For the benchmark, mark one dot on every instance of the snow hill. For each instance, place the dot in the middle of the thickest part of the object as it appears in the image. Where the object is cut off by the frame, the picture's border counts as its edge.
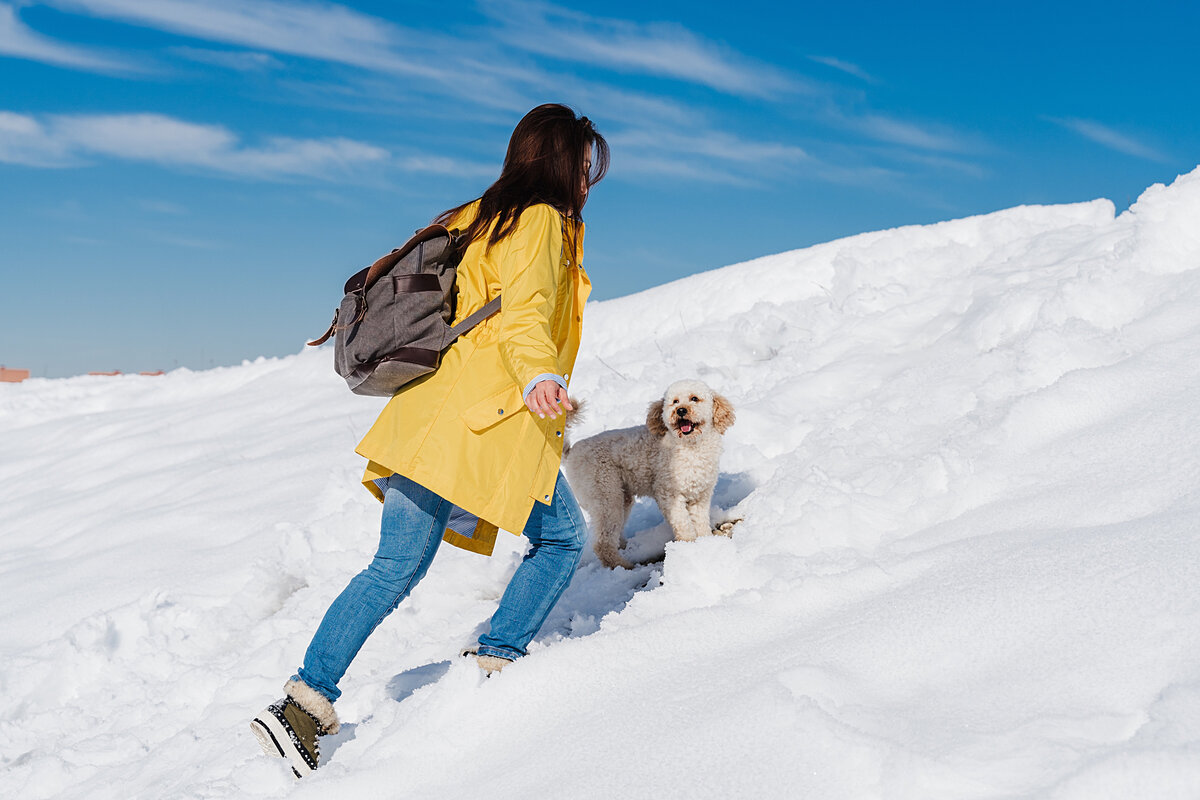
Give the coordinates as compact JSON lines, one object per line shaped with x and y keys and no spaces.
{"x":966,"y":461}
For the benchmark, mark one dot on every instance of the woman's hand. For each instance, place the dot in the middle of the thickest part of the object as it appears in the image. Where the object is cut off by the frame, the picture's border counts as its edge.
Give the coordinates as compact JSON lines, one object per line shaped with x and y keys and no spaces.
{"x":548,"y":398}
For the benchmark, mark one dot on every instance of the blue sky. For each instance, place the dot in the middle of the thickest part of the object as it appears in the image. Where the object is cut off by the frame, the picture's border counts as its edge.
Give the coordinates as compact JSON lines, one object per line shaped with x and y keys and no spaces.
{"x":189,"y":183}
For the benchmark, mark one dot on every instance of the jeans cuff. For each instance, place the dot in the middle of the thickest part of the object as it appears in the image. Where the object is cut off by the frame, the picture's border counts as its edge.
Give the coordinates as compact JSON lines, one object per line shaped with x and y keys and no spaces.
{"x":316,"y":689}
{"x":500,"y":652}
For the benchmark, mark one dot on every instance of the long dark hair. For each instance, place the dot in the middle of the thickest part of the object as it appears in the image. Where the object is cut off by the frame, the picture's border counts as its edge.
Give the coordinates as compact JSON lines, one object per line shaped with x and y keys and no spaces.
{"x":544,"y":164}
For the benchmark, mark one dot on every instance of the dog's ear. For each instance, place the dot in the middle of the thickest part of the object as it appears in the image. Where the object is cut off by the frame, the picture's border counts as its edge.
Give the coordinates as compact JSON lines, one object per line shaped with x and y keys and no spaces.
{"x":723,"y":416}
{"x":654,"y":420}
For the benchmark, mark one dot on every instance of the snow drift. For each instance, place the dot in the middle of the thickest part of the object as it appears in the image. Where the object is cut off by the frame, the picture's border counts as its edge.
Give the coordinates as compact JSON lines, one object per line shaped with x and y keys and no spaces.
{"x":966,"y":467}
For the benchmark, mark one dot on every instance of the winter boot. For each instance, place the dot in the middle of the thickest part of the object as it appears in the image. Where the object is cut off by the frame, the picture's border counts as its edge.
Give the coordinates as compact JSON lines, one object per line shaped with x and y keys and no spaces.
{"x":488,"y":664}
{"x":289,"y":728}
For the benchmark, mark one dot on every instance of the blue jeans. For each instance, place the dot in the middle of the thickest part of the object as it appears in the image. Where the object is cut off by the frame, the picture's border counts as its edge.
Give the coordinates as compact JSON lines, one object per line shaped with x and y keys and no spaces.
{"x":414,"y":519}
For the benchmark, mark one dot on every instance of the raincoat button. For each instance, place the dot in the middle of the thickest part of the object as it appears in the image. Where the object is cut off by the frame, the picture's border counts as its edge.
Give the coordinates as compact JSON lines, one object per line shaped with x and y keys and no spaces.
{"x":558,"y":433}
{"x":499,"y":410}
{"x":547,"y":497}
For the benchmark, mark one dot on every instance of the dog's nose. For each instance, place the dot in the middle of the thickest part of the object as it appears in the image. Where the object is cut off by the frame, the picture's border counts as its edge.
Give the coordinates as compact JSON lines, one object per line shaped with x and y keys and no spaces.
{"x":681,"y":411}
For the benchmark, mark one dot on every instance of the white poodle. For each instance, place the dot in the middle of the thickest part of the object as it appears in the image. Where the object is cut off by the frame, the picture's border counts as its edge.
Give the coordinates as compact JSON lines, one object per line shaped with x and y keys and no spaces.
{"x":672,"y":458}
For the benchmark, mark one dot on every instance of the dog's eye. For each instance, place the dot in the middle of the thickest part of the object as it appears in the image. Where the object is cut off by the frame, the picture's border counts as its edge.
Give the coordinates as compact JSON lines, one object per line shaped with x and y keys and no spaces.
{"x":695,"y":399}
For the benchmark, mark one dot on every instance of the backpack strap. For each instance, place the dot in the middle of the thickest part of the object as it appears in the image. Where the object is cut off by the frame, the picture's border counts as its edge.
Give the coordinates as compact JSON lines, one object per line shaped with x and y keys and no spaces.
{"x":324,"y":337}
{"x":479,"y":316}
{"x":493,"y":305}
{"x":391,"y":259}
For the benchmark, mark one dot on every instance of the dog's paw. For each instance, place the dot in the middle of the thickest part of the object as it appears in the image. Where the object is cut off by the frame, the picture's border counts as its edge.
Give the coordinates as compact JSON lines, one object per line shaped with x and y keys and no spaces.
{"x":613,"y":560}
{"x":726,"y":528}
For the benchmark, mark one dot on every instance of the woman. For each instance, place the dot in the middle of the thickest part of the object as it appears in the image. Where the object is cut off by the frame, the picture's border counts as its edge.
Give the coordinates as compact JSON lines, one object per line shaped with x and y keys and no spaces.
{"x":483,"y":433}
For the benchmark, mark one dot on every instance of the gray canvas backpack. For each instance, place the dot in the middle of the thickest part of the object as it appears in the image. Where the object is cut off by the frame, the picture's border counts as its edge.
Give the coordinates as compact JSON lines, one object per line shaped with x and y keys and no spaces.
{"x":394,"y":322}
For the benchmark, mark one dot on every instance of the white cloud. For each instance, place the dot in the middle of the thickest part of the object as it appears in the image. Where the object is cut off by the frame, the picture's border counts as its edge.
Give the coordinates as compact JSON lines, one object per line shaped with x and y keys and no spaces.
{"x":648,"y":167}
{"x":66,"y":139}
{"x":843,"y":66}
{"x":936,"y":162}
{"x":476,"y":69}
{"x":238,"y":60}
{"x":482,"y":73}
{"x":702,"y":156}
{"x":1103,"y":135}
{"x":666,"y":49}
{"x":432,"y":62}
{"x":19,"y":41}
{"x":330,"y":32}
{"x":23,"y":140}
{"x":321,"y":31}
{"x":888,"y":129}
{"x":317,"y":157}
{"x":492,"y":73}
{"x":714,"y":144}
{"x":143,"y":137}
{"x":453,"y":167}
{"x":601,"y":100}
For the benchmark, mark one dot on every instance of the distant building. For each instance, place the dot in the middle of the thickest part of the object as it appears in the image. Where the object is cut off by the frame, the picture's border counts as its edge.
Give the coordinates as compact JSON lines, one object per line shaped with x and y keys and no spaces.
{"x":13,"y":375}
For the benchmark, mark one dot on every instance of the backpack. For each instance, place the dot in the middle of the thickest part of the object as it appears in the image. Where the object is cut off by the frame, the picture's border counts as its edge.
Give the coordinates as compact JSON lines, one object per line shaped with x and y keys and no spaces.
{"x":394,"y":318}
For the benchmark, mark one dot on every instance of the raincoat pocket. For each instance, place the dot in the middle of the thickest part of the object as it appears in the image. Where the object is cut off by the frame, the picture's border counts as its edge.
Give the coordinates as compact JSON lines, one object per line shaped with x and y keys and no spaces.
{"x":494,"y":408}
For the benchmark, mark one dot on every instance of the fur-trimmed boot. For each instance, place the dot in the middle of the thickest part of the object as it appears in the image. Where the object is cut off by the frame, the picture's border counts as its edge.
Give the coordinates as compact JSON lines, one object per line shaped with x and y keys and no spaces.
{"x":488,"y":664}
{"x":289,"y":728}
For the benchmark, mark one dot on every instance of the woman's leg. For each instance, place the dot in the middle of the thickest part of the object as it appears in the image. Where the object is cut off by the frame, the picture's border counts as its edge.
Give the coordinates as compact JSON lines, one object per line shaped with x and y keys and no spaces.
{"x":413,"y":522}
{"x":557,"y":535}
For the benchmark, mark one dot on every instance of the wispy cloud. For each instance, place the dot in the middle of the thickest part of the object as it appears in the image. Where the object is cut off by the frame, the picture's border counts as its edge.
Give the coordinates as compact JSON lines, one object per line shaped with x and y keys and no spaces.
{"x":19,"y":41}
{"x":645,"y":167}
{"x":938,"y":163}
{"x":615,"y":103}
{"x":322,"y":31}
{"x":704,"y":156}
{"x":23,"y":140}
{"x":237,"y":60}
{"x":438,"y":165}
{"x":475,"y":64}
{"x":1106,"y":136}
{"x":335,"y":33}
{"x":492,"y":73}
{"x":926,"y":137}
{"x":844,"y":66}
{"x":433,"y":61}
{"x":714,"y":144}
{"x":664,"y":49}
{"x":64,"y":140}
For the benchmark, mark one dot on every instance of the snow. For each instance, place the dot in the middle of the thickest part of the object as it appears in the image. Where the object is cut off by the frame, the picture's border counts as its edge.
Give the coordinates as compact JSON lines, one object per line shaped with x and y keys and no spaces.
{"x":965,"y":465}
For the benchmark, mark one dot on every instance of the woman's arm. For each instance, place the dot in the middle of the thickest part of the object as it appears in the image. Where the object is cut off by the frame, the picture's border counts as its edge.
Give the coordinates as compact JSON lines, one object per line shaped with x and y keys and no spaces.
{"x":529,"y":274}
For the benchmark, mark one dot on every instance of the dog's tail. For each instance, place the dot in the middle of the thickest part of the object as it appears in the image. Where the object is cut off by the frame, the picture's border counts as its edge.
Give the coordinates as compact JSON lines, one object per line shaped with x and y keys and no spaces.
{"x":573,"y":416}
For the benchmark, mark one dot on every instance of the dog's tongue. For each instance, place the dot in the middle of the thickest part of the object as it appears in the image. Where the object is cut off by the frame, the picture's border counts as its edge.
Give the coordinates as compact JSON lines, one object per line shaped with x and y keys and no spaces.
{"x":685,"y":427}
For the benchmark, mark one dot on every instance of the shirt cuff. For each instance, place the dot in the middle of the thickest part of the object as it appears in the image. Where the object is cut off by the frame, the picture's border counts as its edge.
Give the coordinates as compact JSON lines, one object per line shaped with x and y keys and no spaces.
{"x":545,"y":376}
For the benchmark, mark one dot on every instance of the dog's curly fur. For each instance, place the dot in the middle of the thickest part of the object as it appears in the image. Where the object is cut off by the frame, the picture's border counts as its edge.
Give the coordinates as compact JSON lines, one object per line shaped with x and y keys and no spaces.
{"x":672,"y":458}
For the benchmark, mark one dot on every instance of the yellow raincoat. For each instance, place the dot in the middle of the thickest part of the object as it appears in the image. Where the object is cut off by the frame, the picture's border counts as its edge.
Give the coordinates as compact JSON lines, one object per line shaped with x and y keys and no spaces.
{"x":464,"y":431}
